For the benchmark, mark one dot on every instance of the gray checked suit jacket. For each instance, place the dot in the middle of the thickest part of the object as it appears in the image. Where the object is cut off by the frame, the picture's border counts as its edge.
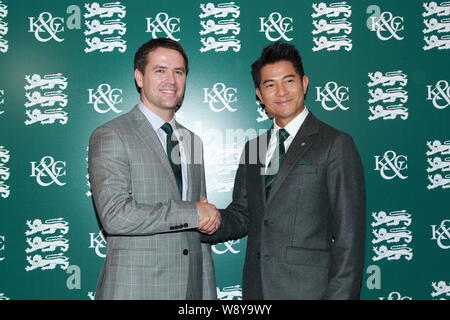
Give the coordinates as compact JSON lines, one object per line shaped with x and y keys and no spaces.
{"x":306,"y":240}
{"x":153,"y":248}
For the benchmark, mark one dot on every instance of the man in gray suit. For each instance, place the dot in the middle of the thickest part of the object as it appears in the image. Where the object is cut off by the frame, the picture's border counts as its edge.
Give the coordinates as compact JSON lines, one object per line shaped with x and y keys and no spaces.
{"x":302,"y":202}
{"x":147,"y":179}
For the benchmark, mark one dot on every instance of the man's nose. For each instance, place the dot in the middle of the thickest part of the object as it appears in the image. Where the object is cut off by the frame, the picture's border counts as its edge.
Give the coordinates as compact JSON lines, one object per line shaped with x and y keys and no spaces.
{"x":170,"y":77}
{"x":281,"y":90}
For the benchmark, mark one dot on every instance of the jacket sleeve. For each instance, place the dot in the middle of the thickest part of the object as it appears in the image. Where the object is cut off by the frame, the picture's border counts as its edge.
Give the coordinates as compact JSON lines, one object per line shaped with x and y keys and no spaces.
{"x":118,"y":211}
{"x":345,"y":183}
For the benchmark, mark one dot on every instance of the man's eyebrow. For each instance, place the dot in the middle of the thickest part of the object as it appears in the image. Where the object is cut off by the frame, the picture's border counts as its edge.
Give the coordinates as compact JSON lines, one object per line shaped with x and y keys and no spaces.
{"x":165,"y":67}
{"x":286,"y":76}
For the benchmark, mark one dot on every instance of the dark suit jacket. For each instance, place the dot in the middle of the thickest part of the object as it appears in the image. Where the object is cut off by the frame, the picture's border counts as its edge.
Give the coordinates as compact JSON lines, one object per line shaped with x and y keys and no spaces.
{"x":307,"y":239}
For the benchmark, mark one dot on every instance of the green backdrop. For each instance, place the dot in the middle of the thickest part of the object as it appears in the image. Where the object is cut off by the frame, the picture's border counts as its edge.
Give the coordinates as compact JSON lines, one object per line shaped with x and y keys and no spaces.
{"x":378,"y":70}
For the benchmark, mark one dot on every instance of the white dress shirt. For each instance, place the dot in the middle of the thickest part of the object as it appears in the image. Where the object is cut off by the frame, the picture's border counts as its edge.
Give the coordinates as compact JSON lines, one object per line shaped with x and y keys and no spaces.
{"x":156,"y":123}
{"x":292,"y":128}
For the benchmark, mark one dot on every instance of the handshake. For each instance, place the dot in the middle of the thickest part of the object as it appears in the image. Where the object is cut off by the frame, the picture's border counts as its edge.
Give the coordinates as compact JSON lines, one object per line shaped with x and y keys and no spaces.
{"x":209,"y":216}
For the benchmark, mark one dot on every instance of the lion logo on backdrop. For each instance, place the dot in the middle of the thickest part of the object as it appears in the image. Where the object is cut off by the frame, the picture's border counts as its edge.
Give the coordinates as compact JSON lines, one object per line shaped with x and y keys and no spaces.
{"x":48,"y":99}
{"x":48,"y":81}
{"x":4,"y":189}
{"x":220,"y":44}
{"x":439,"y":164}
{"x":49,"y":262}
{"x":50,"y":226}
{"x":106,"y":27}
{"x":3,"y":296}
{"x":107,"y":10}
{"x":390,"y":88}
{"x":333,"y":22}
{"x":391,"y":235}
{"x":222,"y":10}
{"x":438,"y":147}
{"x":4,"y":46}
{"x":47,"y":244}
{"x":106,"y":44}
{"x":441,"y":290}
{"x":39,"y":98}
{"x":57,"y":244}
{"x":437,"y":25}
{"x":2,"y":247}
{"x":262,"y":115}
{"x":2,"y":100}
{"x":221,"y":34}
{"x":332,"y":44}
{"x":49,"y":116}
{"x":4,"y":172}
{"x":104,"y":23}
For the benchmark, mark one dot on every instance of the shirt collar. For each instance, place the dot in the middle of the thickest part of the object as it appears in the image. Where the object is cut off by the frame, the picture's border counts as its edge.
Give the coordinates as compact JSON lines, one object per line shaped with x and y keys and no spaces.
{"x":154,"y":119}
{"x":294,"y":125}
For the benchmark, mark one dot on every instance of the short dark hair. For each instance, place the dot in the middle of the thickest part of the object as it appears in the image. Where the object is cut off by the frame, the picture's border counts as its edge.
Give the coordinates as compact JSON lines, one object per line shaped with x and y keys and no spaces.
{"x":277,"y":51}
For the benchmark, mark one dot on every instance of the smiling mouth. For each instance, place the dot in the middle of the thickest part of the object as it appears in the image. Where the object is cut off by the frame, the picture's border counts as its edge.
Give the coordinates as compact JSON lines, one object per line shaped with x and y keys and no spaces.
{"x":283,"y":101}
{"x":168,"y":91}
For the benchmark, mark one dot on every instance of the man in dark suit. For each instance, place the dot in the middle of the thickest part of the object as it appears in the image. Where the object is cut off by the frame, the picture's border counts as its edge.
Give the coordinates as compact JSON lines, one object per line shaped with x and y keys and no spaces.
{"x":302,"y":202}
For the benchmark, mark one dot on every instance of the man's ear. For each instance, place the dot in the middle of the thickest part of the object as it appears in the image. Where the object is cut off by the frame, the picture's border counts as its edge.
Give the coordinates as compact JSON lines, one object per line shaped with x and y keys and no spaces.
{"x":138,"y":76}
{"x":259,"y":95}
{"x":305,"y":82}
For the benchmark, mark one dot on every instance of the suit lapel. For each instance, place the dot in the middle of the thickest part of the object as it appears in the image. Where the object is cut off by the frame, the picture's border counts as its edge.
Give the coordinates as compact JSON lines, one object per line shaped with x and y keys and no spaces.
{"x":145,"y":131}
{"x":302,"y":142}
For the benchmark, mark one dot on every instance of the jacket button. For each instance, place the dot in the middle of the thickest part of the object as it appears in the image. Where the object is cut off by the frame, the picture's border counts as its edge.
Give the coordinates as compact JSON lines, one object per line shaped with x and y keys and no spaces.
{"x":185,"y":252}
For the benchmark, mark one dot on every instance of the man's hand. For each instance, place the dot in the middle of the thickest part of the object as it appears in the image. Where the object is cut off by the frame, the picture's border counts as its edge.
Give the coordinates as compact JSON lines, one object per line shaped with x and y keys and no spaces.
{"x":209,"y":220}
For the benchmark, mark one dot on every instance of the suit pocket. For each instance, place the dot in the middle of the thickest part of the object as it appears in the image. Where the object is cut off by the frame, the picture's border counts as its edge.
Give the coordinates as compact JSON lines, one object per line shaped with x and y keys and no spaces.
{"x":308,"y":257}
{"x":132,"y":257}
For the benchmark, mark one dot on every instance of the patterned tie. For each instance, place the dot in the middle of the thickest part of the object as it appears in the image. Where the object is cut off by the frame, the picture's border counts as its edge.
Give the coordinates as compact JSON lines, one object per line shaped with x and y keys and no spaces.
{"x":283,"y":135}
{"x":170,"y":144}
